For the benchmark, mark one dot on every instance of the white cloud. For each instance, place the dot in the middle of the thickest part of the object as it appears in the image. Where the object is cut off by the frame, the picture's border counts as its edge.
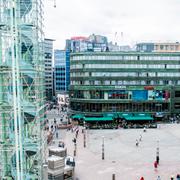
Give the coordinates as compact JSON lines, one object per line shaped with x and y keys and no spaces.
{"x":137,"y":19}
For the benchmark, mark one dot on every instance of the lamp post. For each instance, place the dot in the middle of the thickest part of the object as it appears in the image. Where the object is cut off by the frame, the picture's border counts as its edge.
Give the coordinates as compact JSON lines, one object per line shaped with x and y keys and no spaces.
{"x":102,"y":147}
{"x":75,"y":148}
{"x":113,"y":177}
{"x":157,"y":152}
{"x":84,"y":134}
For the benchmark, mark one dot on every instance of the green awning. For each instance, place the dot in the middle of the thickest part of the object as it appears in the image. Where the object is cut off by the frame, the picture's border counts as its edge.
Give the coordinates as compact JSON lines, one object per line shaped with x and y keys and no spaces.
{"x":98,"y":118}
{"x":113,"y":115}
{"x":138,"y":118}
{"x":78,"y":116}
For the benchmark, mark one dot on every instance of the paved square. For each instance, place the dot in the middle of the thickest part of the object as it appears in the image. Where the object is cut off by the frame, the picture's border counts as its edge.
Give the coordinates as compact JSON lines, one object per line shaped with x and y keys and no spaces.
{"x":122,"y":157}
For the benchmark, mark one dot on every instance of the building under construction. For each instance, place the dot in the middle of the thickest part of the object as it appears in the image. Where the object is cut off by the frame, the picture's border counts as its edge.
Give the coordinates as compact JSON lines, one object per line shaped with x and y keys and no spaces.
{"x":21,"y":89}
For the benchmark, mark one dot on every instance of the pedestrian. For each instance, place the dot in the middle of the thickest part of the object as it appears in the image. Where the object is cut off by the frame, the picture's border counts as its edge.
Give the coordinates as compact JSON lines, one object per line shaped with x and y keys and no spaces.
{"x":158,"y":178}
{"x":137,"y":143}
{"x":140,"y":137}
{"x":144,"y":129}
{"x":51,"y":127}
{"x":157,"y":155}
{"x":172,"y":177}
{"x":155,"y":165}
{"x":57,"y":134}
{"x":178,"y":177}
{"x":157,"y":159}
{"x":142,"y":178}
{"x":74,"y":140}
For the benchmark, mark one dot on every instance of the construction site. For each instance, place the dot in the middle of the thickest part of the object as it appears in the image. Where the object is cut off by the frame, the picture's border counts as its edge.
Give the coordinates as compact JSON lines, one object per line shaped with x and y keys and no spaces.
{"x":21,"y":90}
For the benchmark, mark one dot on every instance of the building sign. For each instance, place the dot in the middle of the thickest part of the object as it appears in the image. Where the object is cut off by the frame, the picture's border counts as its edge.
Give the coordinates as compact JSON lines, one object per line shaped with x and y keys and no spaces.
{"x":118,"y":94}
{"x":120,"y":87}
{"x":149,"y":87}
{"x":158,"y":95}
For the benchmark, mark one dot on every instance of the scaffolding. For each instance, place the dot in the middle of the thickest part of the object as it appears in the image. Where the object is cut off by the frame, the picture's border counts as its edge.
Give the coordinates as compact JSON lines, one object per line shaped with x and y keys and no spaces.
{"x":21,"y":90}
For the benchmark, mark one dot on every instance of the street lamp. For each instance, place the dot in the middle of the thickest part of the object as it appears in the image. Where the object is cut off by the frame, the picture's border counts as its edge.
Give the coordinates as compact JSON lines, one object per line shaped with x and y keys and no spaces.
{"x":84,"y":134}
{"x":75,"y":148}
{"x":102,"y":147}
{"x":157,"y":152}
{"x":113,"y":177}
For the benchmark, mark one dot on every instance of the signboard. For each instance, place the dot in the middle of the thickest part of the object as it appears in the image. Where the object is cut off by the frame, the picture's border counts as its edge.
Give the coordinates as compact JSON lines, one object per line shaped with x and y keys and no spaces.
{"x":120,"y":87}
{"x":149,"y":87}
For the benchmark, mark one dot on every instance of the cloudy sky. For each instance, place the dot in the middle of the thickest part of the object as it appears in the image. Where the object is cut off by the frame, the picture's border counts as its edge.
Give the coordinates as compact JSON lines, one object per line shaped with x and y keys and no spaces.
{"x":124,"y":21}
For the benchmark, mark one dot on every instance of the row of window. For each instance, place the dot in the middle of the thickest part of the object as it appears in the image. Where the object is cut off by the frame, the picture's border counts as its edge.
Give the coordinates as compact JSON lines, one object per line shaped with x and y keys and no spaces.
{"x":125,"y":57}
{"x":60,"y":74}
{"x":113,"y":82}
{"x":125,"y":74}
{"x":60,"y":89}
{"x":48,"y":65}
{"x":136,"y":95}
{"x":120,"y":107}
{"x":60,"y":69}
{"x":60,"y":84}
{"x":126,"y":66}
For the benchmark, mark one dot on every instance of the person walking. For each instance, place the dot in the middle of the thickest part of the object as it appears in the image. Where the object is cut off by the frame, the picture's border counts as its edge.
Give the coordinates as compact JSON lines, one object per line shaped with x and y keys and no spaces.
{"x":155,"y":165}
{"x":178,"y":177}
{"x":144,"y":129}
{"x":142,"y":178}
{"x":172,"y":177}
{"x":137,"y":143}
{"x":140,"y":137}
{"x":158,"y":178}
{"x":57,"y":134}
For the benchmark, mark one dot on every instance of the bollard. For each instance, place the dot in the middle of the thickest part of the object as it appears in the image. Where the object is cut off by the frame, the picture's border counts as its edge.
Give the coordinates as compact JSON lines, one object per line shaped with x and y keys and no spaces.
{"x":74,"y":152}
{"x":113,"y":177}
{"x":103,"y":148}
{"x":157,"y":153}
{"x":84,"y":139}
{"x":75,"y":149}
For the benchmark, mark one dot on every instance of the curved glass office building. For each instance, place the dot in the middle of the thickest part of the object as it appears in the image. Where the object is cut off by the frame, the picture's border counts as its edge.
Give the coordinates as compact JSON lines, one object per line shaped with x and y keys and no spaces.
{"x":133,"y":82}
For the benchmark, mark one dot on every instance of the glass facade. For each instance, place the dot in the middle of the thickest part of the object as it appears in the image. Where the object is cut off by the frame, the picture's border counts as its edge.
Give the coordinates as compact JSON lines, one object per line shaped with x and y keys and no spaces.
{"x":124,"y":82}
{"x":62,"y":70}
{"x":22,"y":106}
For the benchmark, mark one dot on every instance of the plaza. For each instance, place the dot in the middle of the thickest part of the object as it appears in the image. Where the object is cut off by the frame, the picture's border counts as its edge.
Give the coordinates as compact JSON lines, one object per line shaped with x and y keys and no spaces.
{"x":122,"y":157}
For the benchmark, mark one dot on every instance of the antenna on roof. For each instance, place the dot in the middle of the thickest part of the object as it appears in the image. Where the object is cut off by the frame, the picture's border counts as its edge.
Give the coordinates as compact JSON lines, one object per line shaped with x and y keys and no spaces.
{"x":115,"y":37}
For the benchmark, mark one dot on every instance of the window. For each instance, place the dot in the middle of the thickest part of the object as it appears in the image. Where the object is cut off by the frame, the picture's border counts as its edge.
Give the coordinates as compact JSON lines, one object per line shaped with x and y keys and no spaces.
{"x":177,"y":105}
{"x":177,"y":93}
{"x":161,"y":47}
{"x":106,"y":82}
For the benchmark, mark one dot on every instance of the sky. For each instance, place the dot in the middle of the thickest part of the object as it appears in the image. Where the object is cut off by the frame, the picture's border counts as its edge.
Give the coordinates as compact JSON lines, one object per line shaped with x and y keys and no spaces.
{"x":122,"y":21}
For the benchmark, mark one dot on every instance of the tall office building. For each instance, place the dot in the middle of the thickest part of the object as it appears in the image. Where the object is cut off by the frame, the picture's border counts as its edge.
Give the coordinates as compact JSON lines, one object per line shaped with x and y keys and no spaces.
{"x":21,"y":89}
{"x":131,"y":82}
{"x":62,"y":71}
{"x":48,"y":52}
